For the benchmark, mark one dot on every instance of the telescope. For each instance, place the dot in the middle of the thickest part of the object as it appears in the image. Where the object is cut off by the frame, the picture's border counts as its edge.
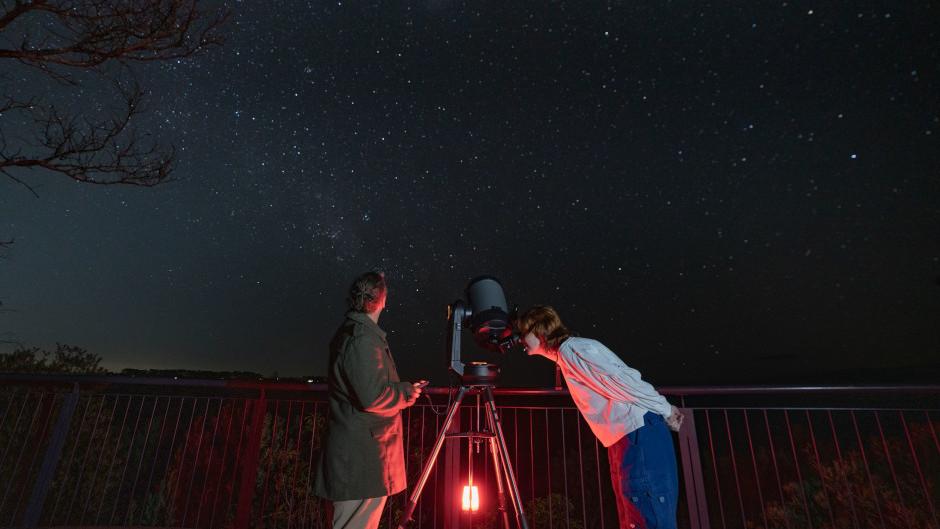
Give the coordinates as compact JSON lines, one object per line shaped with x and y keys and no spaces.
{"x":487,"y":317}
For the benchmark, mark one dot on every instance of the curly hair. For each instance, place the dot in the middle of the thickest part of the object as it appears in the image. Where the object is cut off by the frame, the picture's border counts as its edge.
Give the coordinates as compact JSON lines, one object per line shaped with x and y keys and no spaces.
{"x":544,"y":322}
{"x":366,"y":292}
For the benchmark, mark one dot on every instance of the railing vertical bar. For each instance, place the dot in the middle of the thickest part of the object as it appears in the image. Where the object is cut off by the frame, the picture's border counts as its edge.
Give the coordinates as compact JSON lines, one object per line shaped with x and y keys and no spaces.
{"x":275,"y":461}
{"x":532,"y":454}
{"x":548,"y":457}
{"x":35,"y":445}
{"x":169,"y":460}
{"x":437,"y":482}
{"x":143,"y":454}
{"x":691,"y":458}
{"x":278,"y":471}
{"x":130,"y":451}
{"x":734,"y":468}
{"x":218,"y":488}
{"x":515,"y":438}
{"x":12,"y":478}
{"x":222,"y":466}
{"x":600,"y":490}
{"x":920,"y":474}
{"x":208,"y":473}
{"x":421,"y":456}
{"x":182,"y":464}
{"x":933,"y":432}
{"x":249,"y":471}
{"x":101,"y":449}
{"x":68,"y":466}
{"x":750,"y":444}
{"x":796,"y":465}
{"x":293,"y":481}
{"x":407,"y":434}
{"x":773,"y":455}
{"x":16,"y":465}
{"x":117,"y":448}
{"x":822,"y":479}
{"x":871,"y":482}
{"x":16,"y":427}
{"x":388,"y":502}
{"x":577,"y":423}
{"x":564,"y":466}
{"x":52,"y":456}
{"x":195,"y":465}
{"x":313,"y":437}
{"x":272,"y":447}
{"x":894,"y":476}
{"x":711,"y":449}
{"x":156,"y":447}
{"x":287,"y":440}
{"x":845,"y":480}
{"x":238,"y":453}
{"x":6,"y":410}
{"x":219,"y":414}
{"x":81,"y":471}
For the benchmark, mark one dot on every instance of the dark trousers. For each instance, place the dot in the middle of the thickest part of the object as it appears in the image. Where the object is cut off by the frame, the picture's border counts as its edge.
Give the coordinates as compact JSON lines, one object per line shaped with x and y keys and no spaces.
{"x":643,"y":471}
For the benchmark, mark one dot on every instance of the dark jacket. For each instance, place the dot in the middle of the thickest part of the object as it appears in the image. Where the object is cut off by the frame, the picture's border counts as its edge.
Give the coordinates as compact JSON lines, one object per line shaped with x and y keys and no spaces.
{"x":362,"y":455}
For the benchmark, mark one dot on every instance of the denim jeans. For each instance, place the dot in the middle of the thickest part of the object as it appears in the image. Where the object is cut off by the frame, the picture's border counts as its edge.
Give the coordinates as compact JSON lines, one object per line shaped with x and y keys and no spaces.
{"x":643,"y":471}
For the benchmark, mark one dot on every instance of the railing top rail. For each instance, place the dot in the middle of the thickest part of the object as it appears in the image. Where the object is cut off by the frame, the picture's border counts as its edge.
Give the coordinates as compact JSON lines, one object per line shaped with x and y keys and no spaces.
{"x":275,"y":385}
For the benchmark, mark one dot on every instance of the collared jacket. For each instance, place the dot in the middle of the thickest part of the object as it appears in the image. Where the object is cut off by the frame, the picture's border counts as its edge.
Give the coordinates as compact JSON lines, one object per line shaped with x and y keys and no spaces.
{"x":611,"y":396}
{"x":362,"y":455}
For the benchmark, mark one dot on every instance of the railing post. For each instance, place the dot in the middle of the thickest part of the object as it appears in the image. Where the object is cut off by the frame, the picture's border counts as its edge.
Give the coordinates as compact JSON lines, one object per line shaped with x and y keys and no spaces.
{"x":692,"y":472}
{"x":50,"y":460}
{"x":452,"y":476}
{"x":249,"y":470}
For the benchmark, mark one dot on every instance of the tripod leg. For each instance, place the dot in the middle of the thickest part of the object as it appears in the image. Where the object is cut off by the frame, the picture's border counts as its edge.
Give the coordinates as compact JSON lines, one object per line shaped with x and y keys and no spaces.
{"x":429,"y":464}
{"x":498,"y":472}
{"x":504,"y":458}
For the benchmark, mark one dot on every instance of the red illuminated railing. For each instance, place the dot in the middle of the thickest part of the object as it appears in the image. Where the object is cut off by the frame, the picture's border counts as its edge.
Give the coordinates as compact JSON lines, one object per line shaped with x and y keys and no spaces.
{"x":118,"y":451}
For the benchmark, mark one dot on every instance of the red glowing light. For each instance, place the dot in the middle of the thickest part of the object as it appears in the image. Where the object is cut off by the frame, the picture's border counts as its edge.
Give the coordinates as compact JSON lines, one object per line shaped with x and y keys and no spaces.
{"x":471,"y":498}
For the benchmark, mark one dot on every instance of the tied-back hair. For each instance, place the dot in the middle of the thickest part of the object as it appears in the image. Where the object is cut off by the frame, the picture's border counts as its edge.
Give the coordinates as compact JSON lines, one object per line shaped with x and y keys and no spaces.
{"x":543,"y":321}
{"x":366,"y":292}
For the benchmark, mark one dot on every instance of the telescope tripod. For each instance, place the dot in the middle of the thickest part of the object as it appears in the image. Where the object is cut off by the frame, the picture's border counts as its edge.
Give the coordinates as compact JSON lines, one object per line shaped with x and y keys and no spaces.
{"x":500,"y":456}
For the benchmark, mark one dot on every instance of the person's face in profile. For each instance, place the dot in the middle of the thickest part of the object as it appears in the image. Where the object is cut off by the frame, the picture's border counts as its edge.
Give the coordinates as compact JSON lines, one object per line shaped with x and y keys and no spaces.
{"x":534,"y":345}
{"x":380,"y":306}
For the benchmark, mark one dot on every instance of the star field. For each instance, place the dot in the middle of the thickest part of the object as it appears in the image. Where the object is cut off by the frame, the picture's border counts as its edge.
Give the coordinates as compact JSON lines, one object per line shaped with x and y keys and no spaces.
{"x":720,"y":193}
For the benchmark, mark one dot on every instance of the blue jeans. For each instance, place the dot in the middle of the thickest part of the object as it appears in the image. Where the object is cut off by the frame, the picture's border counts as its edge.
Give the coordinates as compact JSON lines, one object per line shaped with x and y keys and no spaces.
{"x":645,"y":480}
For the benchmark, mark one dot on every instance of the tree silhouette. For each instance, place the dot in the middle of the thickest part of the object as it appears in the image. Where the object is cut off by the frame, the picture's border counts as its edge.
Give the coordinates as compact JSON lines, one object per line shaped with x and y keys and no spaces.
{"x":65,"y":359}
{"x":61,"y":39}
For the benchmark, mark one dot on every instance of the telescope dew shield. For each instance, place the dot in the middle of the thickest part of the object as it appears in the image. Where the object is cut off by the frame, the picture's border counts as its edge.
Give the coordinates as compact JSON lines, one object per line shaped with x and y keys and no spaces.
{"x":489,"y":318}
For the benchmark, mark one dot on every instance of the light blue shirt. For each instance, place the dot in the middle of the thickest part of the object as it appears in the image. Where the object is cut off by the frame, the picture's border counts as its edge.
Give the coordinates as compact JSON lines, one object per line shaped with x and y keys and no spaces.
{"x":611,"y":396}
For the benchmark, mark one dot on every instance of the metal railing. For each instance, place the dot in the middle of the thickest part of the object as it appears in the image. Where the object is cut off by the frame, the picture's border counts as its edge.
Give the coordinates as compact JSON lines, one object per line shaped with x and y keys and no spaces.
{"x":119,"y":451}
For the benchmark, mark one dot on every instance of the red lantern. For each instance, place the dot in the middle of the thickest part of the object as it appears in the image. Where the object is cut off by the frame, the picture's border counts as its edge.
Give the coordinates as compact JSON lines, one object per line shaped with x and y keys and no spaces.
{"x":471,"y":498}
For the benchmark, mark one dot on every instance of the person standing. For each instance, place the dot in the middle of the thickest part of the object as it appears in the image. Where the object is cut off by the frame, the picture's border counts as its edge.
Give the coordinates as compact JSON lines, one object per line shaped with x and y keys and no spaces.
{"x":362,"y":461}
{"x":627,"y":415}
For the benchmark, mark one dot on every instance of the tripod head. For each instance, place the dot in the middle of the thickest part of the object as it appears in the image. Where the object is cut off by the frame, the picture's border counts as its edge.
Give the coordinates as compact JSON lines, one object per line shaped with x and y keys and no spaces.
{"x":489,"y":320}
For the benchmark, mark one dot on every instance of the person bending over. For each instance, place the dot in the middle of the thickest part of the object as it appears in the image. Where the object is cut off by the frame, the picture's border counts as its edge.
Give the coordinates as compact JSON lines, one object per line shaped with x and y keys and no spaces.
{"x":627,"y":415}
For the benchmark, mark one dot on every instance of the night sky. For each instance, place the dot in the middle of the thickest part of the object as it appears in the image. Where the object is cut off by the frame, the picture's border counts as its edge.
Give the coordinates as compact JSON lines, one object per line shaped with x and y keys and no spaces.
{"x":740,"y":192}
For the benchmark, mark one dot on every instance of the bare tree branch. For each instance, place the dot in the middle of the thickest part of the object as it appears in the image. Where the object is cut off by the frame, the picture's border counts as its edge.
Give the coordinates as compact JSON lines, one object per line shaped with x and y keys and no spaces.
{"x":62,"y":37}
{"x":108,"y":151}
{"x":88,"y":33}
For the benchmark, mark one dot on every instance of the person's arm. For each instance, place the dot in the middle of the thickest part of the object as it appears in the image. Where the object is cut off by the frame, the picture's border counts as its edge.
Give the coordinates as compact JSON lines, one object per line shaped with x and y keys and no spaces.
{"x":629,"y":384}
{"x":626,"y":385}
{"x":364,"y":366}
